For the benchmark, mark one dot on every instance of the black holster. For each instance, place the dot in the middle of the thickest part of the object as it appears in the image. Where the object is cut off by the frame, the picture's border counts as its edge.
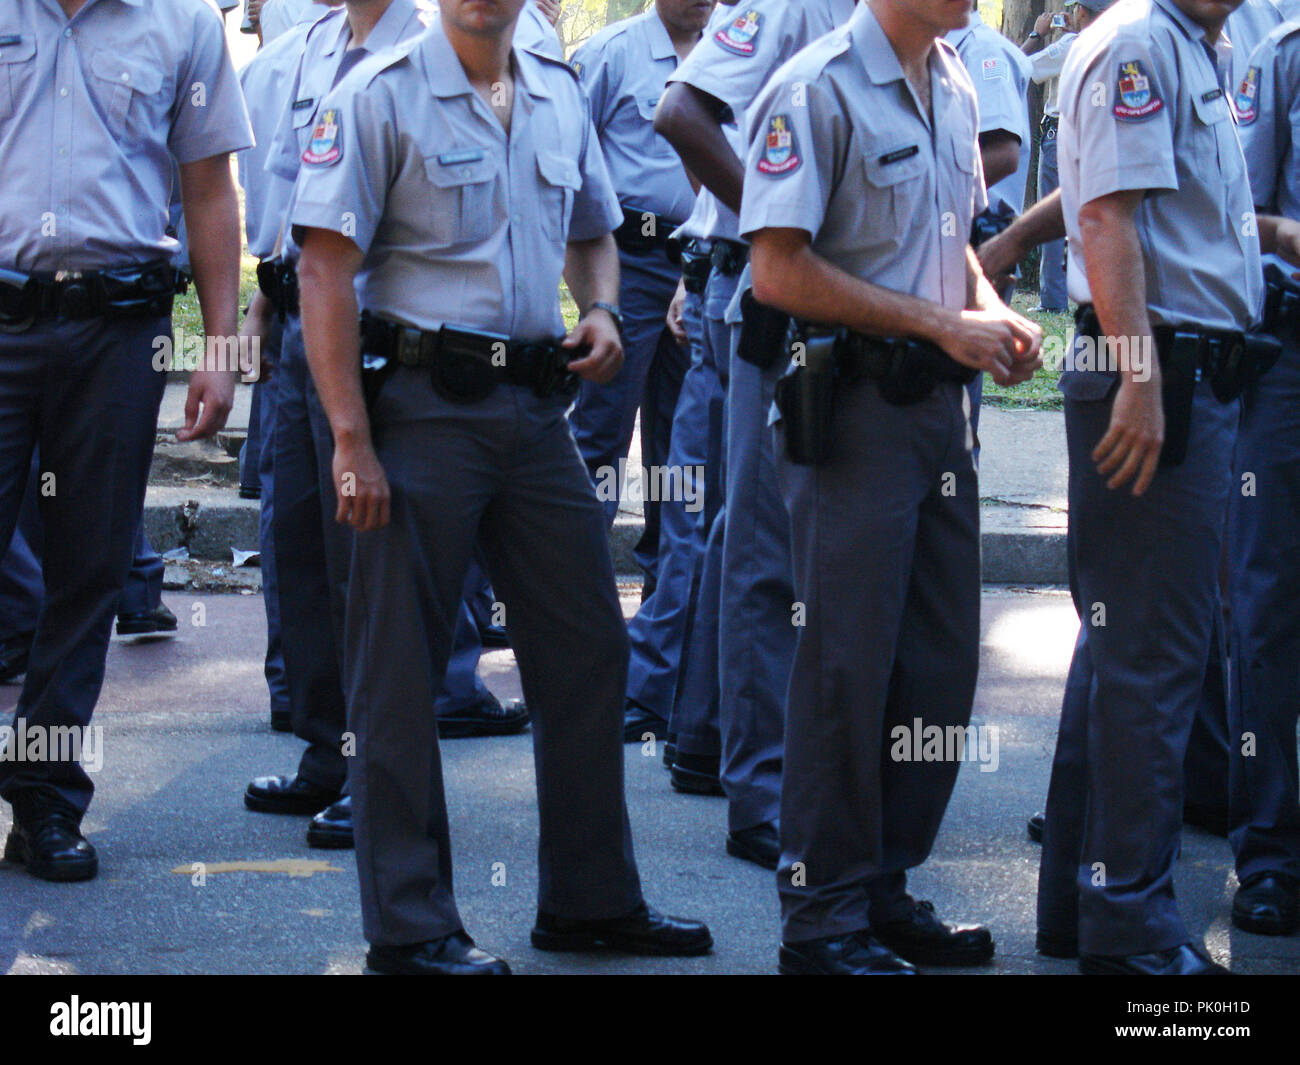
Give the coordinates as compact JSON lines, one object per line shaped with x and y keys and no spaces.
{"x":805,"y":395}
{"x":763,"y":333}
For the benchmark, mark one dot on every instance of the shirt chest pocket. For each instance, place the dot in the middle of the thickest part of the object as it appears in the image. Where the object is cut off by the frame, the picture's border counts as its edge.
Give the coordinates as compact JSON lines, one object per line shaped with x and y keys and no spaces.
{"x":17,"y":68}
{"x":128,"y":95}
{"x":557,"y":186}
{"x":1217,"y":151}
{"x":899,"y":196}
{"x":644,"y":117}
{"x":462,"y":207}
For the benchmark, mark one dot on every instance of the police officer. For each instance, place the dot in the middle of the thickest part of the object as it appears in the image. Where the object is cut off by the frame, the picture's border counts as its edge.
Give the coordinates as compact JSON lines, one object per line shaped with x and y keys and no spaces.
{"x":863,"y":151}
{"x":455,"y":182}
{"x":1175,"y":275}
{"x":756,"y":636}
{"x":623,"y":70}
{"x":99,"y":97}
{"x":1264,"y":810}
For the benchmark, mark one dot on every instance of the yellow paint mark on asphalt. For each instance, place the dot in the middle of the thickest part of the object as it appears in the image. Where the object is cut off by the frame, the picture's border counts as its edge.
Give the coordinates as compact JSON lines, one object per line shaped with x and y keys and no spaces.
{"x":317,"y":913}
{"x":288,"y":866}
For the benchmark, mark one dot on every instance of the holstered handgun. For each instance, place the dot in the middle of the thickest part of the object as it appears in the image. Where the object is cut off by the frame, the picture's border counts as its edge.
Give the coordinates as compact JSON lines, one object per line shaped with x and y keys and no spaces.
{"x":763,"y":333}
{"x":805,"y":395}
{"x":1180,"y":360}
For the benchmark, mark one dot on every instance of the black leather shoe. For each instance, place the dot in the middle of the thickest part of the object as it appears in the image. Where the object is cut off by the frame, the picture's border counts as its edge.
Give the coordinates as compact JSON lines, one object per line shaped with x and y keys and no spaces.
{"x":14,"y":653}
{"x":1056,"y":944}
{"x":1211,"y":819}
{"x":696,"y":774}
{"x":493,"y":637}
{"x":856,"y":954}
{"x":487,"y":718}
{"x":1034,"y":826}
{"x":288,"y":795}
{"x":643,"y":931}
{"x":1186,"y":960}
{"x":670,"y":753}
{"x":281,"y":721}
{"x":46,"y":838}
{"x":1268,"y":905}
{"x":758,"y":845}
{"x":637,"y":721}
{"x":331,"y":829}
{"x":923,"y":939}
{"x":147,"y":622}
{"x":453,"y":955}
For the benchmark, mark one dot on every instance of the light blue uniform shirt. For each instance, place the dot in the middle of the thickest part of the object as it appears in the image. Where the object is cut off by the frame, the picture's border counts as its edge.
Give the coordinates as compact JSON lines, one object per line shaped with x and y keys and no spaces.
{"x":459,"y":223}
{"x":624,"y":69}
{"x":1270,"y":127}
{"x":94,"y":112}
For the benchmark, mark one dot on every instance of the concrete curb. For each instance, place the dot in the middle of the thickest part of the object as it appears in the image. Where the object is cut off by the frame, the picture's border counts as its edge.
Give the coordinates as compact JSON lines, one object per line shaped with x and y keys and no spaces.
{"x":209,"y":522}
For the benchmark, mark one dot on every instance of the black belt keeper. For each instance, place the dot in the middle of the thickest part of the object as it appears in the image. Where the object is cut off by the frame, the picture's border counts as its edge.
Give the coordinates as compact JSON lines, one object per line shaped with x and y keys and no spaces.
{"x":729,"y":257}
{"x":632,"y":236}
{"x":466,"y":366}
{"x":696,"y":264}
{"x":127,"y":292}
{"x":278,"y":280}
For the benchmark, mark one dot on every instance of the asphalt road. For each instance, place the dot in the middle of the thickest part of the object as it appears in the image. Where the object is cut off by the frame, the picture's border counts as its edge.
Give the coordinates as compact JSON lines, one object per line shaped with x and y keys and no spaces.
{"x":184,"y":729}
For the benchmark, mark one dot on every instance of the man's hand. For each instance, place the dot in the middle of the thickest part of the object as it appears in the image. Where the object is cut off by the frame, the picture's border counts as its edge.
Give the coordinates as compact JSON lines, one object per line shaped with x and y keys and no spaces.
{"x":254,"y":12}
{"x":676,"y":326}
{"x":1043,"y":23}
{"x":998,"y":257}
{"x":1131,"y":446}
{"x":551,"y":9}
{"x":364,"y":499}
{"x":207,"y":403}
{"x":597,"y":330}
{"x":998,"y":341}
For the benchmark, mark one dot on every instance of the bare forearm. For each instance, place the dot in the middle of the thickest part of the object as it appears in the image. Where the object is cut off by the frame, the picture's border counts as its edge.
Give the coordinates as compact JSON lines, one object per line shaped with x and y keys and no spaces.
{"x":980,"y":294}
{"x":330,"y":332}
{"x":1116,"y":273}
{"x":688,"y":124}
{"x":591,"y":271}
{"x":211,"y":207}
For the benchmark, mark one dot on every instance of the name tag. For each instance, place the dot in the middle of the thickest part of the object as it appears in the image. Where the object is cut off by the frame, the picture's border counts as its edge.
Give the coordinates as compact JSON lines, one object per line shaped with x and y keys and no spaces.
{"x":1211,"y":96}
{"x":899,"y":154}
{"x":465,"y":155}
{"x":299,"y":105}
{"x":12,"y":39}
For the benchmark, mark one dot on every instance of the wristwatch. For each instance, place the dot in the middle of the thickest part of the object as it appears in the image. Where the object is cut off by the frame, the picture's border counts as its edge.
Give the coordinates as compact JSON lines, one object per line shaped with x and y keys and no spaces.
{"x":1034,"y":35}
{"x":611,"y":309}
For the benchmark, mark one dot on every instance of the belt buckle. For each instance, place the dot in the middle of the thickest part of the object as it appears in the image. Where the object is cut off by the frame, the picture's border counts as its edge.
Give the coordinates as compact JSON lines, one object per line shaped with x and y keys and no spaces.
{"x":408,"y":347}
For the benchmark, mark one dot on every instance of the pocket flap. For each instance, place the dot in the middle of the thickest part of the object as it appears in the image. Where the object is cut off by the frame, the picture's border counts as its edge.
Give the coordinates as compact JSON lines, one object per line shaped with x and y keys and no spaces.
{"x":892,"y":165}
{"x":123,"y":71}
{"x":16,"y":48}
{"x":454,"y":168}
{"x":558,"y":169}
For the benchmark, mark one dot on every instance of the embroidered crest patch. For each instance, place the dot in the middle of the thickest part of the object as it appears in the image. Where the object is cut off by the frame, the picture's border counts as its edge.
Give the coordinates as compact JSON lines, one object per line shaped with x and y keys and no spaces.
{"x":741,"y":37}
{"x":1247,"y":97}
{"x":1135,"y":99}
{"x":326,"y":144}
{"x":780,"y":157}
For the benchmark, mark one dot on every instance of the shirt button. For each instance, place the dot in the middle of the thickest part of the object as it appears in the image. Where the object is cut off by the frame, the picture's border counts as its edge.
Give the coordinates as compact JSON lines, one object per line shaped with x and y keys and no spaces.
{"x":126,"y":76}
{"x":466,"y":172}
{"x":63,"y":91}
{"x":67,"y":32}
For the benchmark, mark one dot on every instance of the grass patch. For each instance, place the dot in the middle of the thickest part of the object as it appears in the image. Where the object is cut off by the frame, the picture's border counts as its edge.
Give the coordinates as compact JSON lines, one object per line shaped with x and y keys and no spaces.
{"x":1038,"y":393}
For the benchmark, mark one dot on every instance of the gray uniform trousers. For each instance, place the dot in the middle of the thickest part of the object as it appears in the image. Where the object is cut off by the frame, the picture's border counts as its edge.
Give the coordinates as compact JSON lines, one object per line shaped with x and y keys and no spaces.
{"x":1114,"y":806}
{"x":695,"y":715}
{"x":887,"y":563}
{"x":757,"y":634}
{"x":504,"y":472}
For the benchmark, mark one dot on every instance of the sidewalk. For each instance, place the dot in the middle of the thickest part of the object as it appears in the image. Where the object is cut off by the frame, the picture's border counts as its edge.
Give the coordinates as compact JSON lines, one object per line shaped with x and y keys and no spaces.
{"x":1022,"y":488}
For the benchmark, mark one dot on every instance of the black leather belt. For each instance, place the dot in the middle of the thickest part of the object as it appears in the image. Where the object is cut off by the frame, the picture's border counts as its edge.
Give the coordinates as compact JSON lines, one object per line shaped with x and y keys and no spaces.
{"x":146,"y":291}
{"x":632,"y":235}
{"x":729,"y":257}
{"x":913,"y":367}
{"x":278,"y":280}
{"x":466,"y":365}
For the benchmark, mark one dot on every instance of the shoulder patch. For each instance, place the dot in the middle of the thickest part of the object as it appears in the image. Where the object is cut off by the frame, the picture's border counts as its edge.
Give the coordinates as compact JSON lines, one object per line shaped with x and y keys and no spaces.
{"x":741,"y":36}
{"x":1245,"y":101}
{"x":326,"y":145}
{"x":1135,"y":99}
{"x":995,"y":70}
{"x":781,"y":156}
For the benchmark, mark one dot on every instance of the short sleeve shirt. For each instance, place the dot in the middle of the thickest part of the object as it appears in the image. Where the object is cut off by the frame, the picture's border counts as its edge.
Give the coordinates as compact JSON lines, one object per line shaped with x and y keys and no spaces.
{"x":1142,"y":109}
{"x":94,"y":114}
{"x":459,"y":224}
{"x":1268,"y":106}
{"x":886,"y":193}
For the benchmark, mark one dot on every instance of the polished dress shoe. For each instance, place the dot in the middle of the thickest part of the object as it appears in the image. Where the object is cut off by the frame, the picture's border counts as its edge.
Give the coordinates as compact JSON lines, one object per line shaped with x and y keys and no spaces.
{"x":288,"y":795}
{"x":758,"y":845}
{"x":14,"y":653}
{"x":146,"y":622}
{"x":1034,"y":826}
{"x":1211,"y":819}
{"x":494,"y":638}
{"x":643,"y":931}
{"x":923,"y":939}
{"x":855,"y":954}
{"x":453,"y":955}
{"x":281,"y":721}
{"x":670,"y":752}
{"x":1056,"y":944}
{"x":46,"y":838}
{"x":1267,"y":904}
{"x":331,"y":829}
{"x":1186,"y":960}
{"x":637,"y":721}
{"x":696,"y":774}
{"x":489,"y":717}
